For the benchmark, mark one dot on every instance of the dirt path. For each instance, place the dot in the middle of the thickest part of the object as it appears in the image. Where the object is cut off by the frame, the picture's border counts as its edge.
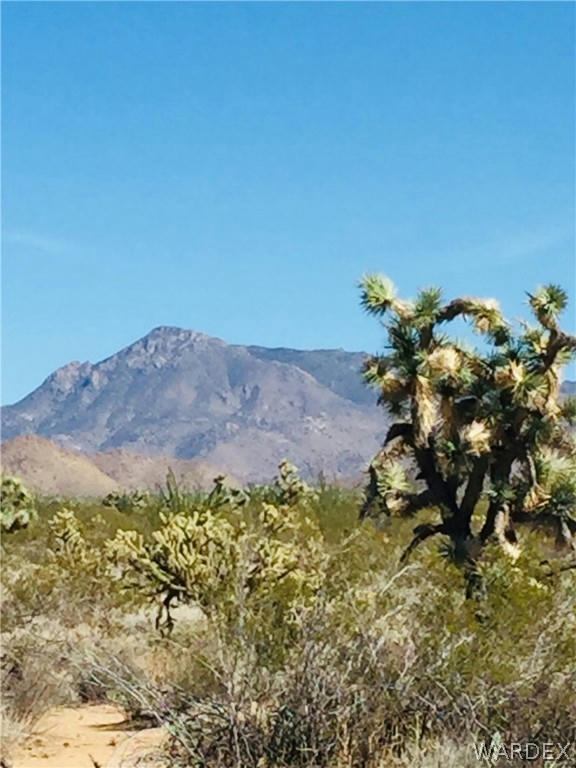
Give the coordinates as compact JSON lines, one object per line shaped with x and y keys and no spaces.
{"x":84,"y":737}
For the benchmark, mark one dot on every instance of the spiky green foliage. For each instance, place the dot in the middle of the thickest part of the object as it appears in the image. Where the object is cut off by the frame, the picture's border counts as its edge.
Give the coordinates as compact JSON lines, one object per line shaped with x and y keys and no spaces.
{"x":485,"y":430}
{"x":568,"y":410}
{"x":548,"y":303}
{"x":17,"y":505}
{"x":227,"y":557}
{"x":427,"y":306}
{"x":378,"y":294}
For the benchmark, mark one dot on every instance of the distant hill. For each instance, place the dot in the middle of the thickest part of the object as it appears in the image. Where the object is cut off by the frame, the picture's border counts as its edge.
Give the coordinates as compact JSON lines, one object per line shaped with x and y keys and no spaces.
{"x":133,"y":472}
{"x":183,"y":394}
{"x":49,"y":470}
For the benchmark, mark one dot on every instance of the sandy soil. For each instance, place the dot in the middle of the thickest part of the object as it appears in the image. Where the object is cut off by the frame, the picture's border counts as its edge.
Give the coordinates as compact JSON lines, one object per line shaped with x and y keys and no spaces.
{"x":86,"y":737}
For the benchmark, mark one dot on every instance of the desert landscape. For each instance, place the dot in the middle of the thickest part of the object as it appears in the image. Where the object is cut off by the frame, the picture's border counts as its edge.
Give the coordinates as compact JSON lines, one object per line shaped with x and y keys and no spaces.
{"x":288,"y":385}
{"x":188,"y":622}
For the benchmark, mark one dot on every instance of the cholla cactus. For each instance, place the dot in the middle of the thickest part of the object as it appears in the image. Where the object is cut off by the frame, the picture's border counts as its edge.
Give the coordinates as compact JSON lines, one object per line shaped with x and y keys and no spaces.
{"x":68,"y":543}
{"x":474,"y":423}
{"x":190,"y":558}
{"x":287,"y":489}
{"x":291,"y":488}
{"x":223,"y":564}
{"x":17,"y":507}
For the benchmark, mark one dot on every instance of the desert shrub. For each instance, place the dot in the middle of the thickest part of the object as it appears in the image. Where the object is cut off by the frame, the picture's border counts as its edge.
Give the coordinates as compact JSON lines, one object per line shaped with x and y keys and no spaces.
{"x":510,"y":666}
{"x":17,"y":506}
{"x":287,"y":489}
{"x":336,"y":512}
{"x":60,"y":568}
{"x":251,"y":566}
{"x":299,"y":638}
{"x":387,"y":664}
{"x":378,"y":674}
{"x":126,"y":502}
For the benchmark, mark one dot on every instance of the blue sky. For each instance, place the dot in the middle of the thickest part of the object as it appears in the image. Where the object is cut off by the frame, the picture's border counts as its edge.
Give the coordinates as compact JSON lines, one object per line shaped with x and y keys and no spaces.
{"x":236,"y":167}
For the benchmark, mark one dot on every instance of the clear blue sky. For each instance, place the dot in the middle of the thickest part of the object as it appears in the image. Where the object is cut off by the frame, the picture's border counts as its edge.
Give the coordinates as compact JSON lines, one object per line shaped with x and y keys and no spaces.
{"x":235,"y":168}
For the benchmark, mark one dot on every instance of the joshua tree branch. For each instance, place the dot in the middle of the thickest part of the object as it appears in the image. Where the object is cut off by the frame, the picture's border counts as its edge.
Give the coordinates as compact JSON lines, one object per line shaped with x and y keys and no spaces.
{"x":557,"y":342}
{"x":454,"y":309}
{"x":490,"y":521}
{"x":400,"y":429}
{"x":499,"y":474}
{"x":440,"y":492}
{"x":474,"y":486}
{"x":422,"y":532}
{"x":417,"y":501}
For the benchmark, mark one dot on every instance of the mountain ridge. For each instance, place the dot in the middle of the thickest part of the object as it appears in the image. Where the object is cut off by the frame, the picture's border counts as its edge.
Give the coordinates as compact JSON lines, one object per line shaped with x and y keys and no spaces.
{"x":183,"y":394}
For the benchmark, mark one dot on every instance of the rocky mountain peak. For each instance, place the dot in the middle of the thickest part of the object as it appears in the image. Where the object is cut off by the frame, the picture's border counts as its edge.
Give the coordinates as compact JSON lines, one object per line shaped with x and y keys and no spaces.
{"x":162,"y":345}
{"x":64,"y":379}
{"x":172,"y":334}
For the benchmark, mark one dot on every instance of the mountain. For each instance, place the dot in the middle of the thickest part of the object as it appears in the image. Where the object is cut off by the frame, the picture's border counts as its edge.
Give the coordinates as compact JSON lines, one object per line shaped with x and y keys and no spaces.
{"x":48,"y":469}
{"x":183,"y":394}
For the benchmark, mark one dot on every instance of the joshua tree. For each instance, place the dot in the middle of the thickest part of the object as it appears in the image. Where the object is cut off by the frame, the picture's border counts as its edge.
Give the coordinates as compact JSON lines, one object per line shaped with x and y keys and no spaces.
{"x":485,"y":432}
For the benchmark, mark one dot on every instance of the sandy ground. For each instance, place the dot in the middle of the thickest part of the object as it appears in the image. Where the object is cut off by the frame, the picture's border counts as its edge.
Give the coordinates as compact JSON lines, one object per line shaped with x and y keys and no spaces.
{"x":86,"y":737}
